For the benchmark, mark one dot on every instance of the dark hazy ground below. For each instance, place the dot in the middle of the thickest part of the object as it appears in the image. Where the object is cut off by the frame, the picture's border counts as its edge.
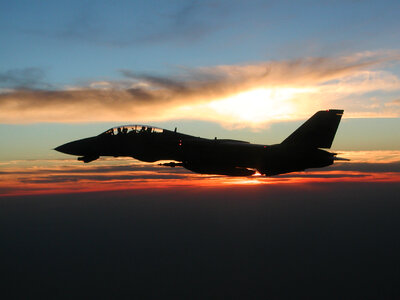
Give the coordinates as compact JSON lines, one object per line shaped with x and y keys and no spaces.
{"x":336,"y":240}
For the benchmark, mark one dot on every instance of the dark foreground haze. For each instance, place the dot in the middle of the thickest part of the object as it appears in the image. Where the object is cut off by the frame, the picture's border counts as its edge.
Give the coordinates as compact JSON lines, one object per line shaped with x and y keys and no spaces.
{"x":316,"y":240}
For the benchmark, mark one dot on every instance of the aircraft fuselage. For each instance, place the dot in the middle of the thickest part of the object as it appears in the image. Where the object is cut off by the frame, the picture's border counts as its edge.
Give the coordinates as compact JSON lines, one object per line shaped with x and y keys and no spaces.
{"x":213,"y":156}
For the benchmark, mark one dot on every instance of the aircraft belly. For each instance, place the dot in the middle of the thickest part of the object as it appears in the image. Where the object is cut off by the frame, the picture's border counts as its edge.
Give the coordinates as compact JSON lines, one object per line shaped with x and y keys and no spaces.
{"x":233,"y":156}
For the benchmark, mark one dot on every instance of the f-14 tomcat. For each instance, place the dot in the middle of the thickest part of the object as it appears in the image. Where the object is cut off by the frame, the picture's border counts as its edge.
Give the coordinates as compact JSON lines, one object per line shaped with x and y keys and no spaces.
{"x":299,"y":151}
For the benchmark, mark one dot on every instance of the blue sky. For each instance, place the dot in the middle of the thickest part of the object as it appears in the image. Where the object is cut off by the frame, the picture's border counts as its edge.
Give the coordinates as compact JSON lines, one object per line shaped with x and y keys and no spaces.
{"x":73,"y":41}
{"x":80,"y":54}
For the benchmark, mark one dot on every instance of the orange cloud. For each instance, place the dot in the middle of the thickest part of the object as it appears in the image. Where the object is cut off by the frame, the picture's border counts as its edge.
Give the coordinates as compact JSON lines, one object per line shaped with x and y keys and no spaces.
{"x":67,"y":176}
{"x":301,"y":86}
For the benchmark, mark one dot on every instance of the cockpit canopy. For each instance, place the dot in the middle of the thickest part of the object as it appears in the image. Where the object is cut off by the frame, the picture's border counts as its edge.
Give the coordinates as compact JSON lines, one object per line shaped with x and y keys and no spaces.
{"x":132,"y":129}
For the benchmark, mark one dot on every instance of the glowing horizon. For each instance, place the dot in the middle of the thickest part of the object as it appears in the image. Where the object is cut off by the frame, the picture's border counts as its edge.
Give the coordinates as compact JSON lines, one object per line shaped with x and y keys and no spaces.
{"x":35,"y":177}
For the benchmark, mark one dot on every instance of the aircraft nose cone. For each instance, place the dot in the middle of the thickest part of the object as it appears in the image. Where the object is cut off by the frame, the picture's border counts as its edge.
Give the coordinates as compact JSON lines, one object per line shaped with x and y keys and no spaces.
{"x":72,"y":148}
{"x":64,"y":148}
{"x":80,"y":147}
{"x":60,"y":148}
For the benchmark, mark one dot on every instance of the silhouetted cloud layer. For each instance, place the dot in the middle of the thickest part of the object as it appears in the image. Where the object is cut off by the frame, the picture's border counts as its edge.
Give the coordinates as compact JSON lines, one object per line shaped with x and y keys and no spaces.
{"x":306,"y":84}
{"x":67,"y":176}
{"x":27,"y":78}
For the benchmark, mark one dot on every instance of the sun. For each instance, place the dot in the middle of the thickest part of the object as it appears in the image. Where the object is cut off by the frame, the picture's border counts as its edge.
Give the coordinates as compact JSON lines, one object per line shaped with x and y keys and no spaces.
{"x":258,"y":105}
{"x":252,"y":108}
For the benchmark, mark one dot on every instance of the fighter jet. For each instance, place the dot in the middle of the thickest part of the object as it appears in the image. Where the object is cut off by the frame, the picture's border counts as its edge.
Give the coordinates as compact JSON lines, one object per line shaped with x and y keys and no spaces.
{"x":300,"y":151}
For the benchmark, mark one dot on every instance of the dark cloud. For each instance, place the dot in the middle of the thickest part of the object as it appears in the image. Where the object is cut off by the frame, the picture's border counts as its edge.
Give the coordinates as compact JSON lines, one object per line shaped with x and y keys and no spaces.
{"x":309,"y":174}
{"x":98,"y":178}
{"x":393,"y":103}
{"x":137,"y":173}
{"x":367,"y":167}
{"x":75,"y":178}
{"x":6,"y":190}
{"x":158,"y":81}
{"x":84,"y":26}
{"x":26,"y":78}
{"x":98,"y":169}
{"x":190,"y":22}
{"x":351,"y":166}
{"x":141,"y":94}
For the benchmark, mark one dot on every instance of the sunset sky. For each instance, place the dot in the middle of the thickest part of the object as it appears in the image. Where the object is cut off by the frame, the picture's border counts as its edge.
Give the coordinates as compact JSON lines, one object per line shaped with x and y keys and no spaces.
{"x":249,"y":70}
{"x":246,"y":70}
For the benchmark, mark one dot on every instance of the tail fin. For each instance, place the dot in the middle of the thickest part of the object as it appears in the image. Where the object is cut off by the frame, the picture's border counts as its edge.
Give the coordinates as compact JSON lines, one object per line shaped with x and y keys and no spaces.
{"x":318,"y":131}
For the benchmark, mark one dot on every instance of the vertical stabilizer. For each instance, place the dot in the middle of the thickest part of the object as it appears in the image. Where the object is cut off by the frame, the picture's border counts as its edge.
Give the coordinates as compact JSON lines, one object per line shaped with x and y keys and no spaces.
{"x":318,"y":131}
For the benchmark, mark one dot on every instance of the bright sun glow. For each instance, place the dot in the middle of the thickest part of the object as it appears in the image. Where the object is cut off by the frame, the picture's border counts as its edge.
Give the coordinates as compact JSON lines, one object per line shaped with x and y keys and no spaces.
{"x":259,"y":105}
{"x":254,"y":107}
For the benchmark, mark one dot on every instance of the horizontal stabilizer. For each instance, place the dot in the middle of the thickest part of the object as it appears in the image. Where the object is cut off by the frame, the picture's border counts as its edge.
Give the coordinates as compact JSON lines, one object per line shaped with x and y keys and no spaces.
{"x":341,"y":158}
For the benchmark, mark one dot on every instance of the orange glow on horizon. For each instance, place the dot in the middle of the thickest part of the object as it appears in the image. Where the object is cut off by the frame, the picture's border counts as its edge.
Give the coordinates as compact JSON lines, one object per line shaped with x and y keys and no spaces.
{"x":67,"y":176}
{"x":16,"y":188}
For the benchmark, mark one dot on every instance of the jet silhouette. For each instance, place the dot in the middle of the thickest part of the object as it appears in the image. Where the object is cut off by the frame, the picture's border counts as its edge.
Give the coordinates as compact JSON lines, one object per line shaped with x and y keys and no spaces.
{"x":300,"y":151}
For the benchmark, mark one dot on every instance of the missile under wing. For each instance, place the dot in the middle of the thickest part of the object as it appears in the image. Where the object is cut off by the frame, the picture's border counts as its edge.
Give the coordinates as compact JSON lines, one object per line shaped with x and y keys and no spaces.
{"x":301,"y":150}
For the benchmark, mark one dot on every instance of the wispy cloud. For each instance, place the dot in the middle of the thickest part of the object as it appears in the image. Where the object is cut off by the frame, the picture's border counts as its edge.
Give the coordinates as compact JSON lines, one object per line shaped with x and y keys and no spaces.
{"x":189,"y":23}
{"x":393,"y":103}
{"x":303,"y":85}
{"x":186,"y":23}
{"x":66,"y":176}
{"x":26,"y":78}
